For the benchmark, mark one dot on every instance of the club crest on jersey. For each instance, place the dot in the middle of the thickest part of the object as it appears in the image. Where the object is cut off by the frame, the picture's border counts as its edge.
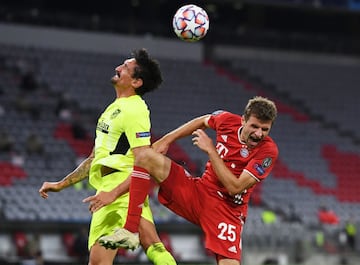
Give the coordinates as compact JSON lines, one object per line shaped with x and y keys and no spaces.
{"x":244,"y":152}
{"x":115,"y":113}
{"x":266,"y":162}
{"x":142,"y":134}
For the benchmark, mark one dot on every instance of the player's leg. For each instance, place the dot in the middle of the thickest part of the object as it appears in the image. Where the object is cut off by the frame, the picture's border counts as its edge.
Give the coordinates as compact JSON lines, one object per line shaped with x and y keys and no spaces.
{"x":155,"y":163}
{"x":159,"y":255}
{"x":221,"y":223}
{"x":101,"y":256}
{"x":106,"y":220}
{"x":154,"y":248}
{"x":225,"y":261}
{"x":147,"y":163}
{"x":149,"y":239}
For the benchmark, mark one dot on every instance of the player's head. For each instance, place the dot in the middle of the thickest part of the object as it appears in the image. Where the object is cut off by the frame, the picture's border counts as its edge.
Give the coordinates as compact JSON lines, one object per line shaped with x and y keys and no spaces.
{"x":261,"y":108}
{"x":148,"y":70}
{"x":258,"y":118}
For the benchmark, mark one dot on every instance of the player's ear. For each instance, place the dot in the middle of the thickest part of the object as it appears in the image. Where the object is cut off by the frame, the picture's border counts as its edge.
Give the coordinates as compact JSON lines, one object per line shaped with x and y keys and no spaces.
{"x":137,"y":82}
{"x":243,"y":119}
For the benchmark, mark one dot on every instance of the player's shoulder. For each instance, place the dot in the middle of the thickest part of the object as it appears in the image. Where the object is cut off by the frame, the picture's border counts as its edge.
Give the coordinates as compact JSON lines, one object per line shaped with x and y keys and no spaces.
{"x":224,"y":114}
{"x":270,"y":144}
{"x":133,"y":104}
{"x":133,"y":100}
{"x":222,"y":118}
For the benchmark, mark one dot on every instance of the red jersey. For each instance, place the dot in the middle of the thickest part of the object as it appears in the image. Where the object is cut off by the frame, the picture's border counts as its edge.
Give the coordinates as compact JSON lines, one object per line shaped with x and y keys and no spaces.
{"x":204,"y":201}
{"x":258,"y":161}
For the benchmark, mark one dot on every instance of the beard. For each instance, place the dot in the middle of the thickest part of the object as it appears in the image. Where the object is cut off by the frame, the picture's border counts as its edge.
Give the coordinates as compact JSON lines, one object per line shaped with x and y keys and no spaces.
{"x":113,"y":80}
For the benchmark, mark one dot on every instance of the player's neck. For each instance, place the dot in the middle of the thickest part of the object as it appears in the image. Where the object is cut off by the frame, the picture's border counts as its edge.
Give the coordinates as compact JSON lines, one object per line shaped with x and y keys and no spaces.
{"x":125,"y":93}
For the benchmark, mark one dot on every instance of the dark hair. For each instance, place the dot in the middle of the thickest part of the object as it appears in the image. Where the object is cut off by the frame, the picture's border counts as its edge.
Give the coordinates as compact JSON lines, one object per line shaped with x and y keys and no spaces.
{"x":148,"y":70}
{"x":262,"y":108}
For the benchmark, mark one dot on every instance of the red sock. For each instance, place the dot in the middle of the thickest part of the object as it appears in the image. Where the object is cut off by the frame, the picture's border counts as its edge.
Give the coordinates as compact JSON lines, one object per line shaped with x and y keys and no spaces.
{"x":139,"y":188}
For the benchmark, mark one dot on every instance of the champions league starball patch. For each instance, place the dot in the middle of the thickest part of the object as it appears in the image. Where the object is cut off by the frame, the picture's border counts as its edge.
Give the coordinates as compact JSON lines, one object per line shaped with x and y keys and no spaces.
{"x":266,"y":162}
{"x":115,"y":113}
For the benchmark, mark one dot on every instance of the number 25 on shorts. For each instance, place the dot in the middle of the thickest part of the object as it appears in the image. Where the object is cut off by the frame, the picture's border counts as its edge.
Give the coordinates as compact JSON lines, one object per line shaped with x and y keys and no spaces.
{"x":227,"y":232}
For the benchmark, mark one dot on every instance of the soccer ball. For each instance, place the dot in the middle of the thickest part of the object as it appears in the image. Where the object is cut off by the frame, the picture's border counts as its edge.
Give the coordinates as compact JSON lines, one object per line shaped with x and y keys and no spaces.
{"x":190,"y":23}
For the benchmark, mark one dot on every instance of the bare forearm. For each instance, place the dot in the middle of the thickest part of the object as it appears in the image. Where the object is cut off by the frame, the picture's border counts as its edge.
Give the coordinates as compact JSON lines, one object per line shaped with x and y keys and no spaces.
{"x":225,"y":176}
{"x":80,"y":173}
{"x":122,"y":188}
{"x":233,"y":184}
{"x":223,"y":173}
{"x":186,"y":129}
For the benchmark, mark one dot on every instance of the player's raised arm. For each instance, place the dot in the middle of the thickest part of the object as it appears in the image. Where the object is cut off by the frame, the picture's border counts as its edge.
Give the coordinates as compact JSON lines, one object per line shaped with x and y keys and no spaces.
{"x":184,"y":130}
{"x":80,"y":173}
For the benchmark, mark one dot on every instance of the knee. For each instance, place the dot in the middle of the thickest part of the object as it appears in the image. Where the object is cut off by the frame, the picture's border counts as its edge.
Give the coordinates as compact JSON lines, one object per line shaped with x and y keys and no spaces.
{"x":142,"y":157}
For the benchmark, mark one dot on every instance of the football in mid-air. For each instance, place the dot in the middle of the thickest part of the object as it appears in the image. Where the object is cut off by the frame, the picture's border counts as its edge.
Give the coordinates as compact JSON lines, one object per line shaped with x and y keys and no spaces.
{"x":191,"y":23}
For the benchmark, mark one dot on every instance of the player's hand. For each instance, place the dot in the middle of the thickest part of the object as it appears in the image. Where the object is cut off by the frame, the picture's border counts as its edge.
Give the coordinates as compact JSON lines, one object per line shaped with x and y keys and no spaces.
{"x":203,"y":141}
{"x":160,"y":146}
{"x":99,"y":200}
{"x":48,"y":186}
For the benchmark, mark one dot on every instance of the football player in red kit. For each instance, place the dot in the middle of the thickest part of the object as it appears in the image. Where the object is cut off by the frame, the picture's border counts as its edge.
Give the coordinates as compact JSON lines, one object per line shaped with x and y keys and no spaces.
{"x":243,"y":155}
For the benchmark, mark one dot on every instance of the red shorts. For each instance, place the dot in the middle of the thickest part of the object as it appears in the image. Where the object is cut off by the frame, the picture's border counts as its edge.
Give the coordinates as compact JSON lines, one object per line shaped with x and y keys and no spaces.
{"x":220,"y":220}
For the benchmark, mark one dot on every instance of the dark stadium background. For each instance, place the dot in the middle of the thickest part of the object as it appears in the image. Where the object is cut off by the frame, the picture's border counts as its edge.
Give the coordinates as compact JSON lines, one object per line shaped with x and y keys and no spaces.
{"x":319,"y":27}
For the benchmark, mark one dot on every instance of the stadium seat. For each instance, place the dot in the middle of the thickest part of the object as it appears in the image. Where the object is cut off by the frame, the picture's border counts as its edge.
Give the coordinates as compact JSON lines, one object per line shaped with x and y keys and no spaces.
{"x":21,"y":241}
{"x":68,"y":239}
